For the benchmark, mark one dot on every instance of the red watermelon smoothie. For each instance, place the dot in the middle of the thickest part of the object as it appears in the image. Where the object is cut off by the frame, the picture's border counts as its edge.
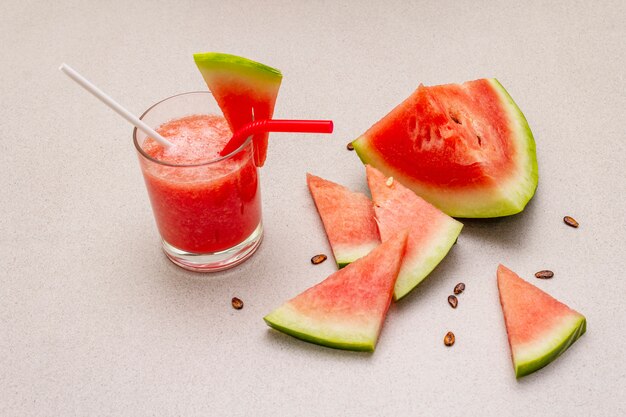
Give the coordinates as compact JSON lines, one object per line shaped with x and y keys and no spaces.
{"x":207,"y":207}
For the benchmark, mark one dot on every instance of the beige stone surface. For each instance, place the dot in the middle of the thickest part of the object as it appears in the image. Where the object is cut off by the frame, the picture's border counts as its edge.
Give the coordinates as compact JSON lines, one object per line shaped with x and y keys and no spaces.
{"x":95,"y":321}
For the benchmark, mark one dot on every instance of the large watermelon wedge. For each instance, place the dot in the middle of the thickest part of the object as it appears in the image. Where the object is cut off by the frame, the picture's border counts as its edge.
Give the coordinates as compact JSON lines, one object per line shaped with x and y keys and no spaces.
{"x":239,"y":85}
{"x":348,"y":219}
{"x":539,"y":327}
{"x":466,"y":148}
{"x":347,"y":310}
{"x":431,"y":232}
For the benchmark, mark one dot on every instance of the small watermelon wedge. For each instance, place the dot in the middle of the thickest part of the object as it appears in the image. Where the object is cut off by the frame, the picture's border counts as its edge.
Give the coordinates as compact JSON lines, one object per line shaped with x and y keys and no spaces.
{"x":239,"y":85}
{"x":348,"y":219}
{"x":431,"y":232}
{"x":466,"y":148}
{"x":347,"y":310}
{"x":539,"y":327}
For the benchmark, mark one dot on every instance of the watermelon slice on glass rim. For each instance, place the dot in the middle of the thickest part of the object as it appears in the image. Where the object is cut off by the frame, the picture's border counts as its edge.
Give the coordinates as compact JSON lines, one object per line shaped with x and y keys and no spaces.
{"x":466,"y":148}
{"x":240,"y":85}
{"x":539,"y":327}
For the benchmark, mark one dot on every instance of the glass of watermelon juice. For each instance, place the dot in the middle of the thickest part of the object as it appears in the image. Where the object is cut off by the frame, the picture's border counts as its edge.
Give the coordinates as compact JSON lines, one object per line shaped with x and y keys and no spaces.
{"x":207,"y":207}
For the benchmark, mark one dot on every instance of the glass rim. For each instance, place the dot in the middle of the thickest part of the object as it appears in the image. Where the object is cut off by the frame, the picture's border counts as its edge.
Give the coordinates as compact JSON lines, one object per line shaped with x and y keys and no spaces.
{"x":199,"y":164}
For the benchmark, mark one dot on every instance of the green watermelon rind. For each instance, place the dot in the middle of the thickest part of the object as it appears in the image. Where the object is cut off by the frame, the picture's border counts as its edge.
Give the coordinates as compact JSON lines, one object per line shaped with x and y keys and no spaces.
{"x":290,"y":321}
{"x":218,"y":60}
{"x":417,"y":270}
{"x":525,"y":189}
{"x":557,"y":341}
{"x":508,"y":199}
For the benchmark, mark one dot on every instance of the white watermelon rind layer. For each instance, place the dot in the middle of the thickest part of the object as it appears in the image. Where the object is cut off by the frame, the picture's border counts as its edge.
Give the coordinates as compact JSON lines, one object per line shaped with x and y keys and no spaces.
{"x":346,"y":254}
{"x":532,"y":356}
{"x":331,"y":333}
{"x":415,"y":270}
{"x":510,"y":197}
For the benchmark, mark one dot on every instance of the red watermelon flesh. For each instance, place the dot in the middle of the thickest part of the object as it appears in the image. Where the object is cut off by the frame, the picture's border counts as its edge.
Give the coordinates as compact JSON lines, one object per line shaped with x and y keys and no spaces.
{"x":348,"y":219}
{"x":539,"y":327}
{"x":431,"y":232}
{"x":347,"y":310}
{"x":466,"y":148}
{"x":240,"y":85}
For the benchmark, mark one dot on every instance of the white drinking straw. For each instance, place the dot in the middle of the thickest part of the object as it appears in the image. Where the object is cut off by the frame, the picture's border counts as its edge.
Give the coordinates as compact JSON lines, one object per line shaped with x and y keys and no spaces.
{"x":102,"y":96}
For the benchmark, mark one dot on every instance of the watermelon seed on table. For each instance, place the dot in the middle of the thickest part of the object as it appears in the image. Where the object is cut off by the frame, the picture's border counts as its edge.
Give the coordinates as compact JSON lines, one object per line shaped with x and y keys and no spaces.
{"x":570,"y":221}
{"x":459,"y":288}
{"x":318,"y":259}
{"x":545,"y":274}
{"x":449,"y":339}
{"x":237,"y":303}
{"x":349,"y":146}
{"x":453,"y":301}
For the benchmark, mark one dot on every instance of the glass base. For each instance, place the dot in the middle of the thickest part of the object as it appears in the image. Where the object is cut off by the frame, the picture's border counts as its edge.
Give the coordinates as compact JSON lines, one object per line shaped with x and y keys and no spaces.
{"x":216,"y":261}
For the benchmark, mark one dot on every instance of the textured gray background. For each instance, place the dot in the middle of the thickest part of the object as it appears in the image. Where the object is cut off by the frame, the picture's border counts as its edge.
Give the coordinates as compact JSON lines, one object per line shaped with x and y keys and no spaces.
{"x":95,"y":321}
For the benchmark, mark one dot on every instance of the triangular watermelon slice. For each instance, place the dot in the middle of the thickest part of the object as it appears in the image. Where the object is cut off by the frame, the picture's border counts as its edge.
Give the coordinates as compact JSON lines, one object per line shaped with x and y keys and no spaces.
{"x":431,"y":232}
{"x":466,"y":148}
{"x":539,"y":327}
{"x":347,"y":310}
{"x":239,"y":85}
{"x":348,"y":219}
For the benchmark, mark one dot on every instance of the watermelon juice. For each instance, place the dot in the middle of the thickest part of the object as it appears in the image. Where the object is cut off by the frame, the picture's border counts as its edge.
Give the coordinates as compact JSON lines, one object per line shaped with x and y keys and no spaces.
{"x":207,"y":207}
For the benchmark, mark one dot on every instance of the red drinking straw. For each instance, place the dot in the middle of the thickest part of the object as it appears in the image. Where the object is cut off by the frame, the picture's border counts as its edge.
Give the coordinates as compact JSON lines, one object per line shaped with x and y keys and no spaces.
{"x":273,"y":125}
